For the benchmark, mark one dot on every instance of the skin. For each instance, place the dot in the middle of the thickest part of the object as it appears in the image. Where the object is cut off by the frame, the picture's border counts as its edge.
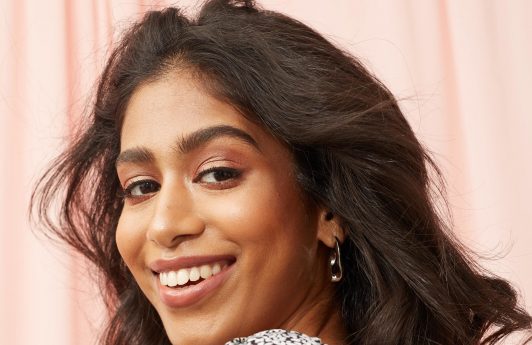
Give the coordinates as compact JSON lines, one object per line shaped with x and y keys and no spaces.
{"x":280,"y":241}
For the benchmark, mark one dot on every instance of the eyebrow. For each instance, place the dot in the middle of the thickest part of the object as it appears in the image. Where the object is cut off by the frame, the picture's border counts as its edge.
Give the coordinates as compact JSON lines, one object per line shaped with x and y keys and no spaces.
{"x":188,"y":143}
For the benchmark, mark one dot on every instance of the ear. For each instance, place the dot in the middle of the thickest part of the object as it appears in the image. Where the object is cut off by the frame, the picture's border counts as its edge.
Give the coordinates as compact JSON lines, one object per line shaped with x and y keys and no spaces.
{"x":329,"y":228}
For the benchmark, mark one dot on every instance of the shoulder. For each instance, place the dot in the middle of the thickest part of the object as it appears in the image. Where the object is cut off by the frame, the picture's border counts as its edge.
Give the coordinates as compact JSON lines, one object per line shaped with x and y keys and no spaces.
{"x":276,"y":336}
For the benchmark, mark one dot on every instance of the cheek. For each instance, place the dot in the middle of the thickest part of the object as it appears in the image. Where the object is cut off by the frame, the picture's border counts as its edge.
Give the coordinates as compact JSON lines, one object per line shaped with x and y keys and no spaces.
{"x":267,"y":218}
{"x":255,"y":213}
{"x":129,"y":238}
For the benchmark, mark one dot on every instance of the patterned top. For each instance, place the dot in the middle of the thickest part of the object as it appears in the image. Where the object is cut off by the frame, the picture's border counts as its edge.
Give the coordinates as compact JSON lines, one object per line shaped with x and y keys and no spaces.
{"x":276,"y":337}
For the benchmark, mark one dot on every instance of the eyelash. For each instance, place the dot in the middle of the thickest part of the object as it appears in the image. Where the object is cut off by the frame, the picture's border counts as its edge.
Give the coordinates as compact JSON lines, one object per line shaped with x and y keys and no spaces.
{"x":234,"y":173}
{"x":224,"y":183}
{"x":127,"y":191}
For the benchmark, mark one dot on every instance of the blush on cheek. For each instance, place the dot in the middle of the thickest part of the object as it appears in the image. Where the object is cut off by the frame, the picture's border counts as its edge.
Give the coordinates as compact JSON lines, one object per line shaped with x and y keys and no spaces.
{"x":244,"y":215}
{"x":128,"y":239}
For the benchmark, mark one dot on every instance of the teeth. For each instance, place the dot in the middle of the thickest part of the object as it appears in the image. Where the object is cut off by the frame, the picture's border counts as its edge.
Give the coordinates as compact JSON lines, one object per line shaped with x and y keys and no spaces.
{"x":171,"y":278}
{"x":205,"y":271}
{"x":194,"y":274}
{"x":163,"y":277}
{"x":182,"y":276}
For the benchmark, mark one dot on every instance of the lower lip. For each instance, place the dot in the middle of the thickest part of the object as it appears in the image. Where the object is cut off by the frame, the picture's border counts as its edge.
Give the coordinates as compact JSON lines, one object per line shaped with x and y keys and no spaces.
{"x":189,"y":295}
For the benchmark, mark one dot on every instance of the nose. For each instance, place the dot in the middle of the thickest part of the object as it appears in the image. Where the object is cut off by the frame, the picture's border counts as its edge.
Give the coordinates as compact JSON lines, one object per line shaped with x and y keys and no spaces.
{"x":174,"y":217}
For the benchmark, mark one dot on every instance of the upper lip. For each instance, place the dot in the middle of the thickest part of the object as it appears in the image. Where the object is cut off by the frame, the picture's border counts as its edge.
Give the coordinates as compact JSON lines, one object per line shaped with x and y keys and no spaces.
{"x":174,"y":264}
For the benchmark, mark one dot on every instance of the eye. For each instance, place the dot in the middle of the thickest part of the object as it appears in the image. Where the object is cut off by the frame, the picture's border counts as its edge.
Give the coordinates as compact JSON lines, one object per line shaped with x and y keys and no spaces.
{"x":142,"y":188}
{"x":217,"y":175}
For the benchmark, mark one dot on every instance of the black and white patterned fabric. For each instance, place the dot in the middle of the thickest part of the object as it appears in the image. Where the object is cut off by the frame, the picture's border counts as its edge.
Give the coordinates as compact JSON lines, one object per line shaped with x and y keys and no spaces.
{"x":276,"y":337}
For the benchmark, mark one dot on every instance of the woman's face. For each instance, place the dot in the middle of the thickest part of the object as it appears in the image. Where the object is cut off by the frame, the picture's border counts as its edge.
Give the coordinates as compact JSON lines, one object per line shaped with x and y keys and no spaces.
{"x":214,"y":228}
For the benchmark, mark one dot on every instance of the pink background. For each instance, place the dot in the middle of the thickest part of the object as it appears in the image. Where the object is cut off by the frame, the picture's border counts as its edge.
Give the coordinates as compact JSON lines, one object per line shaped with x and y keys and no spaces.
{"x":461,"y":69}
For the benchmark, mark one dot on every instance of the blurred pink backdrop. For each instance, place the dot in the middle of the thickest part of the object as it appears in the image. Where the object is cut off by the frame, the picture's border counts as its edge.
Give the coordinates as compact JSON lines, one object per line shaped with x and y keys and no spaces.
{"x":461,"y":69}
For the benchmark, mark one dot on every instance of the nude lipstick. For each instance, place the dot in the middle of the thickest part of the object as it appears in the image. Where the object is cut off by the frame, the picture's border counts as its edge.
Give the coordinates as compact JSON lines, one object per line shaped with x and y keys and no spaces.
{"x":184,"y":281}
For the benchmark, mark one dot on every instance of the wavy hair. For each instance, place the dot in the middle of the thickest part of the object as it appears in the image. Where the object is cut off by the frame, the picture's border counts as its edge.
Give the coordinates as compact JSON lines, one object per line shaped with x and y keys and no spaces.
{"x":406,"y":279}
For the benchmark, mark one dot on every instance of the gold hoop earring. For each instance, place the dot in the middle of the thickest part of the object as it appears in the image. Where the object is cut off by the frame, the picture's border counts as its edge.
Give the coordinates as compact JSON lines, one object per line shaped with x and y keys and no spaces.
{"x":336,"y":263}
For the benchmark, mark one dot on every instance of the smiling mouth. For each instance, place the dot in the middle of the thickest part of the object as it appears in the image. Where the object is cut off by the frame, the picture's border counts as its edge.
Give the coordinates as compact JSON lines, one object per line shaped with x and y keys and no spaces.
{"x":192,"y":275}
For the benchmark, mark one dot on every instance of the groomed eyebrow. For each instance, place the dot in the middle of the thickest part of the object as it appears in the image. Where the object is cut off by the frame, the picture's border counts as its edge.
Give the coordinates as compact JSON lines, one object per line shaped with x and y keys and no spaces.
{"x":135,"y":155}
{"x":200,"y":137}
{"x":188,"y":143}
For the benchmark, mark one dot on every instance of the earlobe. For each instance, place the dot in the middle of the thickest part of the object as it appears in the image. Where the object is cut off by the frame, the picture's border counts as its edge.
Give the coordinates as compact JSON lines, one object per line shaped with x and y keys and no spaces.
{"x":330,"y":229}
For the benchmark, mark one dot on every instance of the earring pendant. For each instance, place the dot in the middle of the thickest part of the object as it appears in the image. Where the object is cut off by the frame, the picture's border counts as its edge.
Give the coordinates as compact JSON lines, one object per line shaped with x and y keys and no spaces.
{"x":336,"y":263}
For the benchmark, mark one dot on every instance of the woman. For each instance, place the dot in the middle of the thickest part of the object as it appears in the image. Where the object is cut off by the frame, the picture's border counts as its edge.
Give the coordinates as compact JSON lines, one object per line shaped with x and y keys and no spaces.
{"x":242,"y":180}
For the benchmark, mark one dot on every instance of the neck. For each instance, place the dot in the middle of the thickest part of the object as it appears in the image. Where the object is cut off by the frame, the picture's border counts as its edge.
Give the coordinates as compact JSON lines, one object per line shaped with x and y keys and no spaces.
{"x":319,"y":317}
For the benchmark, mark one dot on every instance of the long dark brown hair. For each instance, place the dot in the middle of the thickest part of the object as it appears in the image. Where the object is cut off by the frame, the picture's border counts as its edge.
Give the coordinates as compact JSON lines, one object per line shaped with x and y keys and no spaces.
{"x":406,"y":279}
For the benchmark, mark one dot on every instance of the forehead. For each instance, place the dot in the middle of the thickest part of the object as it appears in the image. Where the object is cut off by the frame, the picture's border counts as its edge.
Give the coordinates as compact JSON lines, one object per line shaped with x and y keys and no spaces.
{"x":173,"y":106}
{"x":165,"y":111}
